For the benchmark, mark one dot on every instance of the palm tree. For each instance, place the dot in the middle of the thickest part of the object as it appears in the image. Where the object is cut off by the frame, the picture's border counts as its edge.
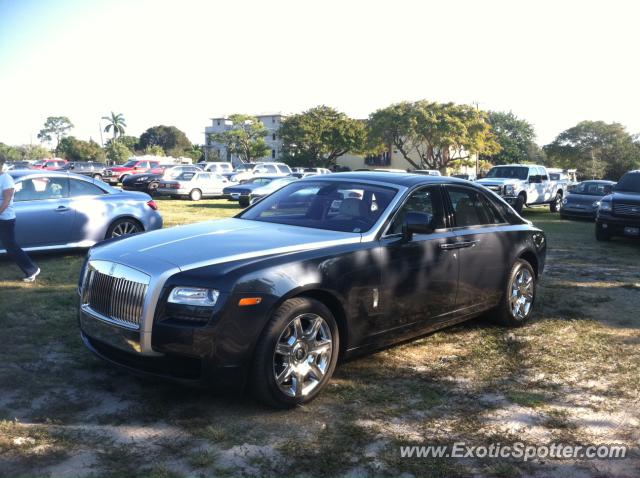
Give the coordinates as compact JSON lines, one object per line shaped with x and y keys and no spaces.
{"x":116,"y":123}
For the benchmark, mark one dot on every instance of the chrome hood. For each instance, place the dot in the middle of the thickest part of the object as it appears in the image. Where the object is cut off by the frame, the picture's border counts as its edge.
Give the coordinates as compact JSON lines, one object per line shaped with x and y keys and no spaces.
{"x":214,"y":242}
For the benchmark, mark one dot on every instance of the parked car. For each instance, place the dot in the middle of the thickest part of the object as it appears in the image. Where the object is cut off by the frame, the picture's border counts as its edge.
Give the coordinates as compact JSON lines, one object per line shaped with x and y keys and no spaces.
{"x":263,"y":169}
{"x":524,"y":185}
{"x":49,"y":164}
{"x":275,"y":296}
{"x":262,"y":191}
{"x":568,"y":176}
{"x":584,"y":199}
{"x":58,"y":210}
{"x":619,"y":212}
{"x":466,"y":176}
{"x":317,"y":170}
{"x":116,"y":174}
{"x":194,"y":185}
{"x":218,"y":167}
{"x":85,"y":168}
{"x":12,"y":165}
{"x":241,"y":192}
{"x":148,"y":182}
{"x":428,"y":172}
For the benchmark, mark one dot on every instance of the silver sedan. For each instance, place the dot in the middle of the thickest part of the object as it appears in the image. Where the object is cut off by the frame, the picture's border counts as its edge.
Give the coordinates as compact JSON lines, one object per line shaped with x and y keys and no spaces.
{"x":194,"y":185}
{"x":57,"y":210}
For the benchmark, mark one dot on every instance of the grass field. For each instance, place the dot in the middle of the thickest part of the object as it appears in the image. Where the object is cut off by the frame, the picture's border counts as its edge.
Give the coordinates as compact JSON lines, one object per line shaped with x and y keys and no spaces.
{"x":572,"y":375}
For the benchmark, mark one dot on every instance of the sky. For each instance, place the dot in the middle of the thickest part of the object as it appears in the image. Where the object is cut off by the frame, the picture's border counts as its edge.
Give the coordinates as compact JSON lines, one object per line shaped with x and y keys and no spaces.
{"x":181,"y":62}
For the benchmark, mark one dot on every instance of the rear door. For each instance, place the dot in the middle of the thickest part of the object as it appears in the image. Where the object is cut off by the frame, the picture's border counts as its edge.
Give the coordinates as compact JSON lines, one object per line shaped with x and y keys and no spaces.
{"x":43,"y":213}
{"x":90,"y":218}
{"x":483,"y":247}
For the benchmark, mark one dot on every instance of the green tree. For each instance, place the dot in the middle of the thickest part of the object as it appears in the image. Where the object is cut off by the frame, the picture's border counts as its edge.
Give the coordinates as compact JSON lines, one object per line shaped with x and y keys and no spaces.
{"x":115,"y":123}
{"x":32,"y":152}
{"x":118,"y":153}
{"x":154,"y":150}
{"x":10,"y":153}
{"x":172,"y":141}
{"x":75,"y":149}
{"x":245,"y":138}
{"x":430,"y":135}
{"x":55,"y":127}
{"x":130,"y":142}
{"x":320,"y":135}
{"x":515,"y":136}
{"x":196,"y":153}
{"x":596,"y":149}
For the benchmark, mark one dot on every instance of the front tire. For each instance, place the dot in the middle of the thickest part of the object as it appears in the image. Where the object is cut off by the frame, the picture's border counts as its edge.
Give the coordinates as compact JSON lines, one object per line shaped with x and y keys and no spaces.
{"x":243,"y":202}
{"x":601,"y":234}
{"x":98,"y":177}
{"x":296,"y":354}
{"x":520,"y":202}
{"x":519,"y":296}
{"x":557,"y":202}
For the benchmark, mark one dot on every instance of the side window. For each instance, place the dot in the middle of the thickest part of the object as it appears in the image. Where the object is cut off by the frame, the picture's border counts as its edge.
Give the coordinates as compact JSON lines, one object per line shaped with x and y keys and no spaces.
{"x":492,"y":211}
{"x":427,"y":201}
{"x":543,"y":174}
{"x":83,"y":188}
{"x":36,"y":189}
{"x":469,"y":208}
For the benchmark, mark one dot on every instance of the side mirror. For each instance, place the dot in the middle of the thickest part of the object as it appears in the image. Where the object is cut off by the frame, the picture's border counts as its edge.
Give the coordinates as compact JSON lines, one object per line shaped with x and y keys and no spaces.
{"x":416,"y":222}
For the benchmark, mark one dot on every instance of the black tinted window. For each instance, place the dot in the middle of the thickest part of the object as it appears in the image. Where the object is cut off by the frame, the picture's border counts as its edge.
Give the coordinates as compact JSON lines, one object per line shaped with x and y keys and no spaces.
{"x":83,"y":188}
{"x":426,"y":201}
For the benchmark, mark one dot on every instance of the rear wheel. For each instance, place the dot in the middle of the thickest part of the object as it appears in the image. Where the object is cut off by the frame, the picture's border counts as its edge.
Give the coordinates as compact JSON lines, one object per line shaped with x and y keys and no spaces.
{"x":557,"y":202}
{"x":153,"y":187}
{"x":124,"y":227}
{"x":195,"y":195}
{"x":519,"y":296}
{"x":296,"y":354}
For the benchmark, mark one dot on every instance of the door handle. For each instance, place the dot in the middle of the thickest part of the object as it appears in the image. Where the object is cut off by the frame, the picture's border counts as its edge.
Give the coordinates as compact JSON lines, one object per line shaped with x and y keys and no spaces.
{"x":447,"y":246}
{"x":61,"y":209}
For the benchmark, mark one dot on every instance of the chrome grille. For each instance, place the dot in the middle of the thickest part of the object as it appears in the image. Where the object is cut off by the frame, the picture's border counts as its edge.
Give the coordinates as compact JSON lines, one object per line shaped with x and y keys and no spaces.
{"x":110,"y":293}
{"x":622,"y":209}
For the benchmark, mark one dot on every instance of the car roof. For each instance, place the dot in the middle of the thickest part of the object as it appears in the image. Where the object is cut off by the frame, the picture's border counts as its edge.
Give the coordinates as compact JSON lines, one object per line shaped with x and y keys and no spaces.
{"x":22,"y":173}
{"x":397,"y":179}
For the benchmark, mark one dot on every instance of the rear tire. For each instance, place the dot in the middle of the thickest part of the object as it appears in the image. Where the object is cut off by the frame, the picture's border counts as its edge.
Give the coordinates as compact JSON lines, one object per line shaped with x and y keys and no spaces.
{"x":555,"y":205}
{"x":296,"y":354}
{"x":98,"y":177}
{"x":244,"y":202}
{"x":195,"y":195}
{"x":519,"y":296}
{"x":520,"y":202}
{"x":124,"y":227}
{"x":153,"y":188}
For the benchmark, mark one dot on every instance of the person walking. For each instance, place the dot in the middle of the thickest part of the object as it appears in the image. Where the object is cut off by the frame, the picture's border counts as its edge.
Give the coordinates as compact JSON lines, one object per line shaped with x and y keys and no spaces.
{"x":8,"y":225}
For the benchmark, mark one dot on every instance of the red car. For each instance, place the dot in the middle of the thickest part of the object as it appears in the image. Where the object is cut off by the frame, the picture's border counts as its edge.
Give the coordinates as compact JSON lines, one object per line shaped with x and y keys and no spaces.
{"x":50,"y":164}
{"x":116,"y":174}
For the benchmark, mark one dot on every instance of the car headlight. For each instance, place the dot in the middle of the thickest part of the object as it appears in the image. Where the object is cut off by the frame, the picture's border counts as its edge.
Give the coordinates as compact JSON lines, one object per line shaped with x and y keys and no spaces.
{"x":509,"y":190}
{"x":194,"y":296}
{"x":604,"y":205}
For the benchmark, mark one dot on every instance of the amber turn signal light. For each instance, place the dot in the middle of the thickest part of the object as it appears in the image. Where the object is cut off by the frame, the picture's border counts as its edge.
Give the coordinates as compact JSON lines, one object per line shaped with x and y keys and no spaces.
{"x":249,"y":301}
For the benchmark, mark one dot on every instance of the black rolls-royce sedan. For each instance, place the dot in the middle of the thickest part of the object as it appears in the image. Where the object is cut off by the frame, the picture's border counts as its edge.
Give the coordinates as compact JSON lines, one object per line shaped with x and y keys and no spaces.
{"x":326,"y":267}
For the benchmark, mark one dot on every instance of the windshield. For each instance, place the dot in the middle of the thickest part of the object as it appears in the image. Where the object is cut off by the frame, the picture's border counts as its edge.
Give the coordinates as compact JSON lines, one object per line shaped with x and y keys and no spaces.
{"x":509,"y":172}
{"x":335,"y":206}
{"x":630,"y":182}
{"x":592,"y":189}
{"x":129,"y":164}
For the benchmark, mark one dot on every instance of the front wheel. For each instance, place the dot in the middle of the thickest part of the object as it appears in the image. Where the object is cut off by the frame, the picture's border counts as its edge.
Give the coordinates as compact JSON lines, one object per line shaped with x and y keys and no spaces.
{"x":557,"y":202}
{"x":601,"y":234}
{"x":519,"y":206}
{"x":195,"y":195}
{"x":296,"y":354}
{"x":98,"y":177}
{"x":520,"y":293}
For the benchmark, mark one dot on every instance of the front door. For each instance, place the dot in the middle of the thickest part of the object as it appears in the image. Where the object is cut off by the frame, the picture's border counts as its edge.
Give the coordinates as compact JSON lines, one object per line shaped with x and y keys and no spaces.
{"x":420,"y":274}
{"x":44,"y":216}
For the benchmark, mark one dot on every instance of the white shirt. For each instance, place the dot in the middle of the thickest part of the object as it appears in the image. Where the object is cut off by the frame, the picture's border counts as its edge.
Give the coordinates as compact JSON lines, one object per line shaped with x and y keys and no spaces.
{"x":6,"y":182}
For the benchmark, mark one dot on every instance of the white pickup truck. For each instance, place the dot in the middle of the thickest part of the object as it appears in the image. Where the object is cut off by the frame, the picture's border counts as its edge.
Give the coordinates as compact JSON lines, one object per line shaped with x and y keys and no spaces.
{"x":525,"y":185}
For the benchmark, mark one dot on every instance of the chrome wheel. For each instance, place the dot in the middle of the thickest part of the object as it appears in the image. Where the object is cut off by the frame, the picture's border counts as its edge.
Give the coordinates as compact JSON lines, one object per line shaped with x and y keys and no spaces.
{"x":125,"y":228}
{"x":522,"y":291}
{"x":303,"y":355}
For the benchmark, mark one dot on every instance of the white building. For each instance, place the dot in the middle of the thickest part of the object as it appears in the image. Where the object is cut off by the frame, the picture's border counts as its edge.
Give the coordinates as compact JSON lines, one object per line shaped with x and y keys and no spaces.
{"x":214,"y":150}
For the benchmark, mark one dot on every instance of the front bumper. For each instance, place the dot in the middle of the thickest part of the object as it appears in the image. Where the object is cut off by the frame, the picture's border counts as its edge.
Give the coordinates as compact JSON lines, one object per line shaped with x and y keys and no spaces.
{"x":616,"y":225}
{"x":143,"y":187}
